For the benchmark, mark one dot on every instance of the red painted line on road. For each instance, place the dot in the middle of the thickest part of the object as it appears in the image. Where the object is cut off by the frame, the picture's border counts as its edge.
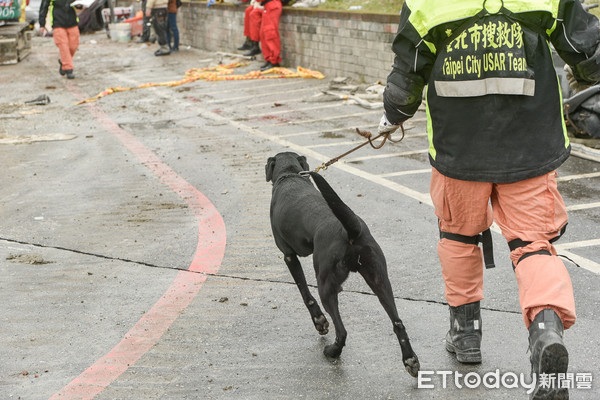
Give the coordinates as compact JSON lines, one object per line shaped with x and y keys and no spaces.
{"x":207,"y":260}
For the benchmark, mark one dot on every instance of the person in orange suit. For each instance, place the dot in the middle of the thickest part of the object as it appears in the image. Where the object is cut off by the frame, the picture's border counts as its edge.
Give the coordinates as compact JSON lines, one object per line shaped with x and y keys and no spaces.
{"x":269,"y":33}
{"x":65,"y":31}
{"x":261,"y":24}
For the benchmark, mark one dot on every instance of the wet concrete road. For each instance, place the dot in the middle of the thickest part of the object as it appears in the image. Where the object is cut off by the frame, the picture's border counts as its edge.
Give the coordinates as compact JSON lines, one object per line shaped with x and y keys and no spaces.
{"x":137,"y":262}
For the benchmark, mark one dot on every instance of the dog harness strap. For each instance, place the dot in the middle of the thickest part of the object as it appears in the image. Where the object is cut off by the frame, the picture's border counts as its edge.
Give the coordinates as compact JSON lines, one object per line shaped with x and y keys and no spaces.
{"x":485,"y":238}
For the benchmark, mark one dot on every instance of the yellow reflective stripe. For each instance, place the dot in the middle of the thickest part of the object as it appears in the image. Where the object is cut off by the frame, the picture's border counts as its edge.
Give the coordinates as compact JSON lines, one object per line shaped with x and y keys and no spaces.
{"x":431,"y":46}
{"x":564,"y":125}
{"x":432,"y":151}
{"x":482,"y":87}
{"x":426,"y":14}
{"x":533,"y":5}
{"x":549,"y":31}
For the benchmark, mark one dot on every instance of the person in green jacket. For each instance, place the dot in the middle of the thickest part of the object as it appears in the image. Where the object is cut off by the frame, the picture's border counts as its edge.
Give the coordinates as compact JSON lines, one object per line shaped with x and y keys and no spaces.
{"x":496,"y":136}
{"x":65,"y":31}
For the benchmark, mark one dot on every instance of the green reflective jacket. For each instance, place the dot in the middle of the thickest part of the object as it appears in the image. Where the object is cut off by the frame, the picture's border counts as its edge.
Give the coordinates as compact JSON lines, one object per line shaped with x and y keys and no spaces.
{"x":62,"y":14}
{"x":494,"y":104}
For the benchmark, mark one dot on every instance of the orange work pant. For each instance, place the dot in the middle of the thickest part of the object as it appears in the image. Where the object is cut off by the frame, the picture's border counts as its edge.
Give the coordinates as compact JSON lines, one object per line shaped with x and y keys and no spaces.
{"x":67,"y":41}
{"x":252,"y":20}
{"x":531,"y":210}
{"x":269,"y":32}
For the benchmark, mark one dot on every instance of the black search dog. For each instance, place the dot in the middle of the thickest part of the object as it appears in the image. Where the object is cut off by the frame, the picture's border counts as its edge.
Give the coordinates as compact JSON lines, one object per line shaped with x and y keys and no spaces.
{"x":306,"y":221}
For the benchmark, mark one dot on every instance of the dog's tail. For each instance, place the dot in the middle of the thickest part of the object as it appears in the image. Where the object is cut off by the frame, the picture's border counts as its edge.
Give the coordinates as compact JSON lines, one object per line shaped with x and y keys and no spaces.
{"x":343,"y":213}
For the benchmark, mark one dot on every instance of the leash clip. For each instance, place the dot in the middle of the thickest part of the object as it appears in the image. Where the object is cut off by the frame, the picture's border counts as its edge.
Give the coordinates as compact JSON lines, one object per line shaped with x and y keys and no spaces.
{"x":323,"y":167}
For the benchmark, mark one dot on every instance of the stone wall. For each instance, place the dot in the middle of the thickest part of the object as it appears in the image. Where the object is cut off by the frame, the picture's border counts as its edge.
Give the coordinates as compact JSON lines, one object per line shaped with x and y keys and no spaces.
{"x":348,"y":44}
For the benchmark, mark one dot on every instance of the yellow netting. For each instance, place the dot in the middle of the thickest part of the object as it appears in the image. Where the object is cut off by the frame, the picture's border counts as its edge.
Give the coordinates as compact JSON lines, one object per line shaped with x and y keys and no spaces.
{"x":218,"y":73}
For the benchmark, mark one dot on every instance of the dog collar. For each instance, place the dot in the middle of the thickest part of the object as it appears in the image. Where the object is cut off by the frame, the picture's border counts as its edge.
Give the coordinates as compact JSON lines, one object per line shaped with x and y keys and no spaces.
{"x":282,"y":177}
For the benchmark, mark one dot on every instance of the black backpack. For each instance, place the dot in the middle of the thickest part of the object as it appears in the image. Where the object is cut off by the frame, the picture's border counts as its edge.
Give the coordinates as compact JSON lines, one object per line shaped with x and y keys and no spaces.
{"x":582,"y":112}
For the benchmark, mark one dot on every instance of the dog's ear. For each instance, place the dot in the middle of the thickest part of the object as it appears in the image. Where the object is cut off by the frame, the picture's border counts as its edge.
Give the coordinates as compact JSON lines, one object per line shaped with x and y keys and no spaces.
{"x":303,"y":163}
{"x":269,"y":168}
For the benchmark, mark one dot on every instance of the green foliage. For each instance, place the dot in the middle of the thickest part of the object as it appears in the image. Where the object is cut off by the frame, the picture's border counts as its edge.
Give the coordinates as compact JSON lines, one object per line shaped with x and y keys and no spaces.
{"x":373,"y":6}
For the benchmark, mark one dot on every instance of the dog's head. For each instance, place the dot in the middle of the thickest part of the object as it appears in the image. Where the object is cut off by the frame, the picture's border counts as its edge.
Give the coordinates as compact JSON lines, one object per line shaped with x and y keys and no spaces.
{"x":285,"y":163}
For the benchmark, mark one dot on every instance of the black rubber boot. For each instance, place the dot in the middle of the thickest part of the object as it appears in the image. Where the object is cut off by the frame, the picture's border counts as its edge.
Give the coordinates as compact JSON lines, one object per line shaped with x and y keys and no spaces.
{"x":70,"y":74}
{"x":247,"y":45}
{"x":254,"y":50}
{"x":548,"y":354}
{"x":268,"y":65}
{"x":162,"y":51}
{"x":464,"y":336}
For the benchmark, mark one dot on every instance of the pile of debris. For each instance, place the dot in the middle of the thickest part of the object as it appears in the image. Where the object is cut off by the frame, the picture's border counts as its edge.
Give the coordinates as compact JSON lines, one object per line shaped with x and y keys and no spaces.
{"x":341,"y":89}
{"x":15,"y":42}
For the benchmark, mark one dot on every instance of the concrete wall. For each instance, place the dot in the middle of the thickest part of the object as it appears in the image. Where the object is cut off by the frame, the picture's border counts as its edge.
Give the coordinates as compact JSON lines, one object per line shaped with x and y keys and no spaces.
{"x":335,"y":43}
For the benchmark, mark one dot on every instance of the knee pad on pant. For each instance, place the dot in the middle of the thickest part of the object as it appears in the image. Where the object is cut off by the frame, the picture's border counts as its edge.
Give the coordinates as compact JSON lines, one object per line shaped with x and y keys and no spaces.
{"x":521,"y":249}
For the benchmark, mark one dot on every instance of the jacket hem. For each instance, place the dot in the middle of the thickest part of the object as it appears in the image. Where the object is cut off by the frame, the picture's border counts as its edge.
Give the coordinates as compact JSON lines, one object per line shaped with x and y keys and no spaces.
{"x":501,"y":176}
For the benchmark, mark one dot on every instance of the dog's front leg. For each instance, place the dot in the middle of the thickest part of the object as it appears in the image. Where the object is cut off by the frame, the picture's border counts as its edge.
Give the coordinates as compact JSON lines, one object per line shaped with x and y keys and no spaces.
{"x":316,"y":314}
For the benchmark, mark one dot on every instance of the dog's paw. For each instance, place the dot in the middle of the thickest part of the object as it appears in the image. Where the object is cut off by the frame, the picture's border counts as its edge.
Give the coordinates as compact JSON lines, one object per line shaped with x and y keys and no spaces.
{"x":321,"y":324}
{"x":332,"y":350}
{"x":412,"y":366}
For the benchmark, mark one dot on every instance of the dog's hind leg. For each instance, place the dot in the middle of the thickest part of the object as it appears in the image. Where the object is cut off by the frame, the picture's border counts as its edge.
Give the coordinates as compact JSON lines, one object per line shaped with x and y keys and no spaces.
{"x":328,"y":291}
{"x":316,"y":314}
{"x":379,"y":282}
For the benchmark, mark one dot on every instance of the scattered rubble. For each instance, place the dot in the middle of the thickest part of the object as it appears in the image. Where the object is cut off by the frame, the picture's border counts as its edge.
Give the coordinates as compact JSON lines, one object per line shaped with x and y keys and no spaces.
{"x":28,"y":139}
{"x":366,"y":96}
{"x":33,"y":259}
